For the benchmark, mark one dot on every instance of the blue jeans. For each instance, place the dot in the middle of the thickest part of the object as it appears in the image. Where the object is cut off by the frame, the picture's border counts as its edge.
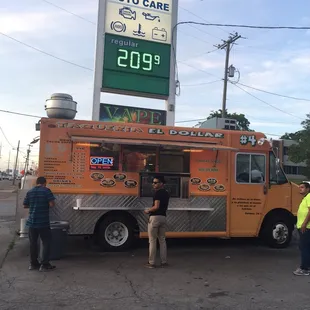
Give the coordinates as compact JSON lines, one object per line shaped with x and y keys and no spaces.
{"x":304,"y":247}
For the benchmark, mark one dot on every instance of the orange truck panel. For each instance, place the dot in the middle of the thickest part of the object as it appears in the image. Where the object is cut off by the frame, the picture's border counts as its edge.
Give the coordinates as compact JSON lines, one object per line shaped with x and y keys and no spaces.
{"x":65,"y":160}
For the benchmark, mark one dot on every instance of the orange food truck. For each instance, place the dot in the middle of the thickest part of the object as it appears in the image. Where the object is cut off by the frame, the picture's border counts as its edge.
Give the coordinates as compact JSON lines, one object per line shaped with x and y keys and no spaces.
{"x":223,"y":183}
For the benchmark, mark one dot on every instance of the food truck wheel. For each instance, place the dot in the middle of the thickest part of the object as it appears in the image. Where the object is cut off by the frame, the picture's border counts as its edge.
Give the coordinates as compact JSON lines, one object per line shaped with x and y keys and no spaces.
{"x":116,"y":233}
{"x":277,"y":232}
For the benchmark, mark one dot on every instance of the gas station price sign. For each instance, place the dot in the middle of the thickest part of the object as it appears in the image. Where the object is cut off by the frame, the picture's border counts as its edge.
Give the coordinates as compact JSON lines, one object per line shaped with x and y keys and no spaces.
{"x":137,"y":66}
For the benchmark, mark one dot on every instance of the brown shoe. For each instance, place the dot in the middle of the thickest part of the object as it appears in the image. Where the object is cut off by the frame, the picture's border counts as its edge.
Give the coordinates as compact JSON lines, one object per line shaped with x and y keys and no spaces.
{"x":151,"y":266}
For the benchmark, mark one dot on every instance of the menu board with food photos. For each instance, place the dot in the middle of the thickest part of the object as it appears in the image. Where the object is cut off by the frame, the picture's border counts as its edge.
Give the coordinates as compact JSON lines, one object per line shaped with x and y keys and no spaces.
{"x":80,"y":167}
{"x":93,"y":165}
{"x":208,"y":173}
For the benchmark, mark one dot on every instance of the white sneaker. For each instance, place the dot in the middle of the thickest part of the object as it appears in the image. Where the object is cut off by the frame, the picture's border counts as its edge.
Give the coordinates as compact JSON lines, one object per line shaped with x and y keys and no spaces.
{"x":301,"y":272}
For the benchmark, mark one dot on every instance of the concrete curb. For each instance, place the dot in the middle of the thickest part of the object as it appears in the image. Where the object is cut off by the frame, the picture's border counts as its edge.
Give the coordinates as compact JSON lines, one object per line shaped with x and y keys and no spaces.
{"x":8,"y":190}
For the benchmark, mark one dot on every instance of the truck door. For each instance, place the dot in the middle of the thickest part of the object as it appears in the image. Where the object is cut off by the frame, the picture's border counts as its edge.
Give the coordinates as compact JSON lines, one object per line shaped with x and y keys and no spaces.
{"x":248,"y":193}
{"x":279,"y":189}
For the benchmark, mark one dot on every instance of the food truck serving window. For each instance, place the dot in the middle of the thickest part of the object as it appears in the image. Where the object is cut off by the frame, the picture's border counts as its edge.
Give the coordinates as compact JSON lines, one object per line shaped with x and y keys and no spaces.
{"x":250,"y":168}
{"x":105,"y":156}
{"x":139,"y":158}
{"x":174,"y":160}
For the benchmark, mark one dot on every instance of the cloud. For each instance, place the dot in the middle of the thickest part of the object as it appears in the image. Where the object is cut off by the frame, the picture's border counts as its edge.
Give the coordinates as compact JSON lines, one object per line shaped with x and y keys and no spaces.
{"x":277,"y":61}
{"x":302,"y":61}
{"x":26,"y":22}
{"x":185,"y":69}
{"x":268,"y":125}
{"x":207,"y":64}
{"x":45,"y":18}
{"x":279,"y":73}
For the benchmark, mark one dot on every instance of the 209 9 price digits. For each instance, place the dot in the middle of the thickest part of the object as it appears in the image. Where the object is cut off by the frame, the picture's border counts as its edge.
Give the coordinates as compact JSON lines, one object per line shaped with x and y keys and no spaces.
{"x":137,"y":60}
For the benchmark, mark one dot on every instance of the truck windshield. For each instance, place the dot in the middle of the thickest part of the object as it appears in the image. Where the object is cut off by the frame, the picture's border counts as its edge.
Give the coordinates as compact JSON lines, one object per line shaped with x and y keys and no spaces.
{"x":274,"y":177}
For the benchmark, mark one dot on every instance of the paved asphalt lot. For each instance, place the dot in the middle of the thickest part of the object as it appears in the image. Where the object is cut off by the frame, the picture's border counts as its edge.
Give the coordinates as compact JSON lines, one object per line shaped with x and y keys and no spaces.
{"x":204,"y":274}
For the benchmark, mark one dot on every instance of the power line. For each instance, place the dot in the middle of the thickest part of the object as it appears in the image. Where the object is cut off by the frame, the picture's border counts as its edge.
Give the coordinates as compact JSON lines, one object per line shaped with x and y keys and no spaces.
{"x":267,"y":121}
{"x":273,"y":134}
{"x":76,"y":15}
{"x":203,"y":31}
{"x":247,"y":115}
{"x":197,"y":38}
{"x":206,"y":83}
{"x":65,"y":10}
{"x":22,"y":114}
{"x":190,"y":35}
{"x":244,"y":26}
{"x":204,"y":119}
{"x":5,"y":137}
{"x":202,"y":19}
{"x":244,"y":91}
{"x":198,"y":55}
{"x":81,"y":17}
{"x":266,"y":102}
{"x":192,"y":120}
{"x":183,"y":121}
{"x":275,"y":94}
{"x":197,"y":69}
{"x":45,"y":53}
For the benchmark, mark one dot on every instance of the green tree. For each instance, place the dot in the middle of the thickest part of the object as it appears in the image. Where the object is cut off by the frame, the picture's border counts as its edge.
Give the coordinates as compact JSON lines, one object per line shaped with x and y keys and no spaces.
{"x":242,"y":122}
{"x":292,"y":136}
{"x":300,"y":152}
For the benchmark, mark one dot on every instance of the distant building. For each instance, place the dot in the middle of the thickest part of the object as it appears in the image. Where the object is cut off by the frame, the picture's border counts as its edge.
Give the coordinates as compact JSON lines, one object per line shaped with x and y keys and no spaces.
{"x":294,"y":171}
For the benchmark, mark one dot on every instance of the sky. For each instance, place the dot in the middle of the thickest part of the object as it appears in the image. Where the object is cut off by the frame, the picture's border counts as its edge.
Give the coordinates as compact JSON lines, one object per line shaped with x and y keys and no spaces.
{"x":276,"y":61}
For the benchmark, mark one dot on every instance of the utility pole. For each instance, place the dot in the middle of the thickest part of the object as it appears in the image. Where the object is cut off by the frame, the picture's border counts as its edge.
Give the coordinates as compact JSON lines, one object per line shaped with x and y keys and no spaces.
{"x":227,"y":44}
{"x":9,"y":162}
{"x":16,"y":160}
{"x":26,"y":165}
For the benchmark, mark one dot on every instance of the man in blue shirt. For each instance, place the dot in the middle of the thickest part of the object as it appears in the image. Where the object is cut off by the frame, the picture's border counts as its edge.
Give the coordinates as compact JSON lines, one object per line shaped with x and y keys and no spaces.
{"x":39,"y":199}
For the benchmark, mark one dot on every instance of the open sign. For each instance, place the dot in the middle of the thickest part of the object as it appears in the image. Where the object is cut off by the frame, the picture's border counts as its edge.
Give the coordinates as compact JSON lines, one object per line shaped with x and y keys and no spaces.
{"x":102,"y":161}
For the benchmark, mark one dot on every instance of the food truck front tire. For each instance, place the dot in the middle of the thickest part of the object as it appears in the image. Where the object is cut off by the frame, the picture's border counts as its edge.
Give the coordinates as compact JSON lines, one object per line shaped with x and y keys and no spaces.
{"x":116,"y":233}
{"x":277,"y":231}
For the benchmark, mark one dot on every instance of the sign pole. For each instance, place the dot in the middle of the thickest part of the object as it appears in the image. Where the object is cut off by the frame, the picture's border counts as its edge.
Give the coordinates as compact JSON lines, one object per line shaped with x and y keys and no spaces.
{"x":99,"y":56}
{"x":170,"y":102}
{"x":133,"y":51}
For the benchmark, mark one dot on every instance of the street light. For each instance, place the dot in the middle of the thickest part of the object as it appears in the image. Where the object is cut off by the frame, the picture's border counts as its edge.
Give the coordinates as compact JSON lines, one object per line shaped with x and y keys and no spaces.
{"x":35,"y":140}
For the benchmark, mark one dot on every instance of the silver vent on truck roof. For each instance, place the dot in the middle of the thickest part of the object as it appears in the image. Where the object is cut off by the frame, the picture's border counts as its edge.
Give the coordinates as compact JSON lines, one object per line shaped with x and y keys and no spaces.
{"x":61,"y":106}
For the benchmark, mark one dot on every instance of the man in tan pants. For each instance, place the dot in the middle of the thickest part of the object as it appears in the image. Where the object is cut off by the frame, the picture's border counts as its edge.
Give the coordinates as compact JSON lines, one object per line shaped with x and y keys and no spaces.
{"x":157,"y":222}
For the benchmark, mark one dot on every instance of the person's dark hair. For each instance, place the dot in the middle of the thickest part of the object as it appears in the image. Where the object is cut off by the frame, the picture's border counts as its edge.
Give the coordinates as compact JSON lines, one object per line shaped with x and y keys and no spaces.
{"x":41,"y":180}
{"x":307,"y":185}
{"x":160,"y":179}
